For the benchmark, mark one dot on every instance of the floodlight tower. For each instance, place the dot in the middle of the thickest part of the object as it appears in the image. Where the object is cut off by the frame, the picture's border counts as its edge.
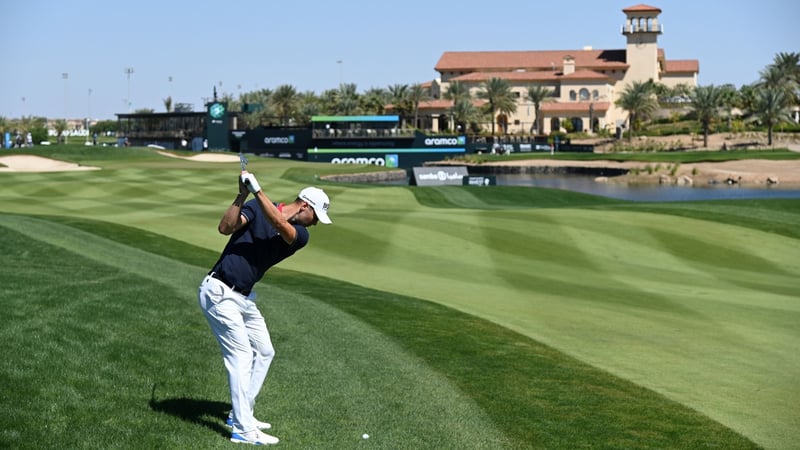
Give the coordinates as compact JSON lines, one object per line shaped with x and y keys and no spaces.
{"x":65,"y":77}
{"x":128,"y":73}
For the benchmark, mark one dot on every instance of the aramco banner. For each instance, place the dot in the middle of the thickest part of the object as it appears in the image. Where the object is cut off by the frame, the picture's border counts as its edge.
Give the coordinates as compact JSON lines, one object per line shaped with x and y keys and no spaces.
{"x":217,"y":126}
{"x":439,"y":175}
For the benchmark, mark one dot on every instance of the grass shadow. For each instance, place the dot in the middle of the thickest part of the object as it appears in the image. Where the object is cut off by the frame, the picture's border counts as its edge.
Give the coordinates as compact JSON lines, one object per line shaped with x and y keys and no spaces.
{"x":208,"y":413}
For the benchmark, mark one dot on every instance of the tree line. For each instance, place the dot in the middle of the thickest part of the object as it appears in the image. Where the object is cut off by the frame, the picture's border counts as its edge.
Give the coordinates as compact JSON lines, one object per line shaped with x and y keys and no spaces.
{"x":766,"y":102}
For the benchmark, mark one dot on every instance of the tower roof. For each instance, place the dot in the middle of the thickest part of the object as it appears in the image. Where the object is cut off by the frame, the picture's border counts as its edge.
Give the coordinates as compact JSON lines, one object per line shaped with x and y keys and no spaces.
{"x":641,"y":8}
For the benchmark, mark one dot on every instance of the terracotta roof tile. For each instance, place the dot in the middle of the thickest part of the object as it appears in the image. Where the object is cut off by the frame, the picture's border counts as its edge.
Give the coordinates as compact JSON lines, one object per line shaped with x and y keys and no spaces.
{"x":438,"y":104}
{"x":682,"y":65}
{"x":510,"y":76}
{"x":530,"y":60}
{"x":543,"y":76}
{"x":641,"y":8}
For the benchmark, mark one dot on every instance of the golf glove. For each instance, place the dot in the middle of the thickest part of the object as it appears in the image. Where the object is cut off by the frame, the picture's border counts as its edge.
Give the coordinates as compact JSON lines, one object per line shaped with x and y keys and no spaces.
{"x":250,"y":181}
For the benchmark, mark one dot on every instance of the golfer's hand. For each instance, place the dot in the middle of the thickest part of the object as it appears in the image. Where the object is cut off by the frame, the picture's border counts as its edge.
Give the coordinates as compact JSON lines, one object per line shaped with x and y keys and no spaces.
{"x":243,"y":189}
{"x":250,"y":181}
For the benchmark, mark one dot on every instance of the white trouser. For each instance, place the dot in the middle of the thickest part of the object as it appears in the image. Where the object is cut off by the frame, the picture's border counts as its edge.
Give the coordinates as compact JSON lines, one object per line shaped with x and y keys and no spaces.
{"x":245,"y":343}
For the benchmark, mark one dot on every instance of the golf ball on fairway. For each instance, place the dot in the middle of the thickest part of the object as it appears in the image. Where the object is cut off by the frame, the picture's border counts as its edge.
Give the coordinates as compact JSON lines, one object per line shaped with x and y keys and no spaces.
{"x":365,"y":436}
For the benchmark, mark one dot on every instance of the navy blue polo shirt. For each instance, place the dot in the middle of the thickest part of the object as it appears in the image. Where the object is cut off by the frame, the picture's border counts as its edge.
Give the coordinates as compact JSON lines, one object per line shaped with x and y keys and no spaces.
{"x":254,"y":248}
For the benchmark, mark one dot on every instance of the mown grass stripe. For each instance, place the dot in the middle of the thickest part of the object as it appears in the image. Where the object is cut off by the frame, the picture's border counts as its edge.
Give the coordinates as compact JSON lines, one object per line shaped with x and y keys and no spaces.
{"x":116,"y":337}
{"x":698,"y":345}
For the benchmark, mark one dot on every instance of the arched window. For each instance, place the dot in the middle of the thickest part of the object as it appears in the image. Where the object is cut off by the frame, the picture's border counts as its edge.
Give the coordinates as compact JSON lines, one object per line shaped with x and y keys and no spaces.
{"x":502,"y":123}
{"x":577,"y":124}
{"x":572,"y":96}
{"x":595,"y":94}
{"x":584,"y":94}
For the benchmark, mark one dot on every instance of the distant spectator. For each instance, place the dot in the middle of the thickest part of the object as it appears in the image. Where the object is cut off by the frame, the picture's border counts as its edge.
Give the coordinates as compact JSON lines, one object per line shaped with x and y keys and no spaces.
{"x":94,"y":138}
{"x":29,"y":138}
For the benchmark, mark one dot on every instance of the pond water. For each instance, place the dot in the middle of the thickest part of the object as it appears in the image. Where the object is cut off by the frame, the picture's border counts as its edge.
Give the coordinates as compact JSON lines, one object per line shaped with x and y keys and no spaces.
{"x":645,"y":193}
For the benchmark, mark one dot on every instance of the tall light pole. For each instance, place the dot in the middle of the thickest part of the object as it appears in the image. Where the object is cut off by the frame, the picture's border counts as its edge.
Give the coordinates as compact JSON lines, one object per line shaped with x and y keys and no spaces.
{"x":23,"y":106}
{"x":89,"y":118}
{"x":128,"y":73}
{"x":341,"y":79}
{"x":65,"y":77}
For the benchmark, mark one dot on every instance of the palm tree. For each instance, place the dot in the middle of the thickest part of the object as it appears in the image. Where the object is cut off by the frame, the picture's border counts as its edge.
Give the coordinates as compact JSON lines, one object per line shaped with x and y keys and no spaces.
{"x":347,"y":99}
{"x":537,"y":95}
{"x":374,"y":101}
{"x":706,"y":103}
{"x":329,"y":101}
{"x":730,"y":99}
{"x":416,"y":95}
{"x":497,"y":92}
{"x":783,"y":74}
{"x":308,"y":106}
{"x":399,"y":95}
{"x":662,"y":91}
{"x":789,"y":63}
{"x":284,"y":99}
{"x":771,"y":109}
{"x":638,"y":100}
{"x":168,"y":104}
{"x":60,"y":126}
{"x":747,"y":98}
{"x":455,"y":91}
{"x":464,"y":113}
{"x":259,"y":107}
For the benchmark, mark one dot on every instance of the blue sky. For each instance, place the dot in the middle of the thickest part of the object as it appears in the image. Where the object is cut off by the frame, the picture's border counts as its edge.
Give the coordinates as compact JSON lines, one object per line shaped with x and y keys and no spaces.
{"x":244,"y":45}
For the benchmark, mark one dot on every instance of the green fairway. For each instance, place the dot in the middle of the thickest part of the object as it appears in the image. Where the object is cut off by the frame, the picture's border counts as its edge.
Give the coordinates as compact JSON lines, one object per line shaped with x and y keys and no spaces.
{"x":533,"y":318}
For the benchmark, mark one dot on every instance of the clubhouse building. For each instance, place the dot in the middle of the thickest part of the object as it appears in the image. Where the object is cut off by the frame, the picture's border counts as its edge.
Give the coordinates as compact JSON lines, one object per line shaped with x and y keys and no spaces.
{"x":584,"y":83}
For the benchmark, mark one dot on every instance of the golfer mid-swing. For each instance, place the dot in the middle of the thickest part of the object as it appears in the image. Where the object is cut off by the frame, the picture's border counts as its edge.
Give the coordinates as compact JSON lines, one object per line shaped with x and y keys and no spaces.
{"x":262,"y":233}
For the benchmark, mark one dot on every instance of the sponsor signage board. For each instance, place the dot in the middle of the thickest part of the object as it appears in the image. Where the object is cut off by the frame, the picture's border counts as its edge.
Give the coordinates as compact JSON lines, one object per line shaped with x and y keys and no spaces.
{"x":217,"y":126}
{"x":288,"y":143}
{"x":477,"y":180}
{"x":439,"y":175}
{"x":403,"y":153}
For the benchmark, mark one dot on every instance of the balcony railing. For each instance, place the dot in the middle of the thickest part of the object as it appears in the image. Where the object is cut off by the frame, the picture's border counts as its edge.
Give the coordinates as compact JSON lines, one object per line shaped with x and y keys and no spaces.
{"x":627,"y":29}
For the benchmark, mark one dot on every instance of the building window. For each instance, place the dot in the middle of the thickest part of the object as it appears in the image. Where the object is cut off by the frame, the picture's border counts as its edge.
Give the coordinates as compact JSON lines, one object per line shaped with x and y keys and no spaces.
{"x":595,"y":94}
{"x":573,"y":96}
{"x":577,"y":124}
{"x":584,"y":93}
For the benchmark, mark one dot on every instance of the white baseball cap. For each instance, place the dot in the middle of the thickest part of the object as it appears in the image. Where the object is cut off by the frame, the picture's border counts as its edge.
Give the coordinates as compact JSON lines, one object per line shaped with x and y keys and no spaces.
{"x":318,"y":200}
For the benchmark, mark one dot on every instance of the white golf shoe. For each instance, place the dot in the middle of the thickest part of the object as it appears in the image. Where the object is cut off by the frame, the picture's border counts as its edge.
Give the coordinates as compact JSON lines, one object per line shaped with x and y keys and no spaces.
{"x":259,"y":424}
{"x":255,"y":437}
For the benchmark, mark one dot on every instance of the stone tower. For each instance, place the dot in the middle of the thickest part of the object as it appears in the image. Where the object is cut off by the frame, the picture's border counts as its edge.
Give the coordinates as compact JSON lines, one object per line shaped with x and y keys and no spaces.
{"x":641,"y":52}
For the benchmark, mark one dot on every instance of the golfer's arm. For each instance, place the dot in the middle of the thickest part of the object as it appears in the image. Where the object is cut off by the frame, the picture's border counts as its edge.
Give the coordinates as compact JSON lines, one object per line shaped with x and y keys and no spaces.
{"x":232,"y":220}
{"x":286,"y":230}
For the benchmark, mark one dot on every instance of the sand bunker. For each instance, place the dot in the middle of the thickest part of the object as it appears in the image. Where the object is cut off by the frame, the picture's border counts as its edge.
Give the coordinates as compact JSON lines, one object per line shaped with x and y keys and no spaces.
{"x":205,"y":157}
{"x":31,"y":163}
